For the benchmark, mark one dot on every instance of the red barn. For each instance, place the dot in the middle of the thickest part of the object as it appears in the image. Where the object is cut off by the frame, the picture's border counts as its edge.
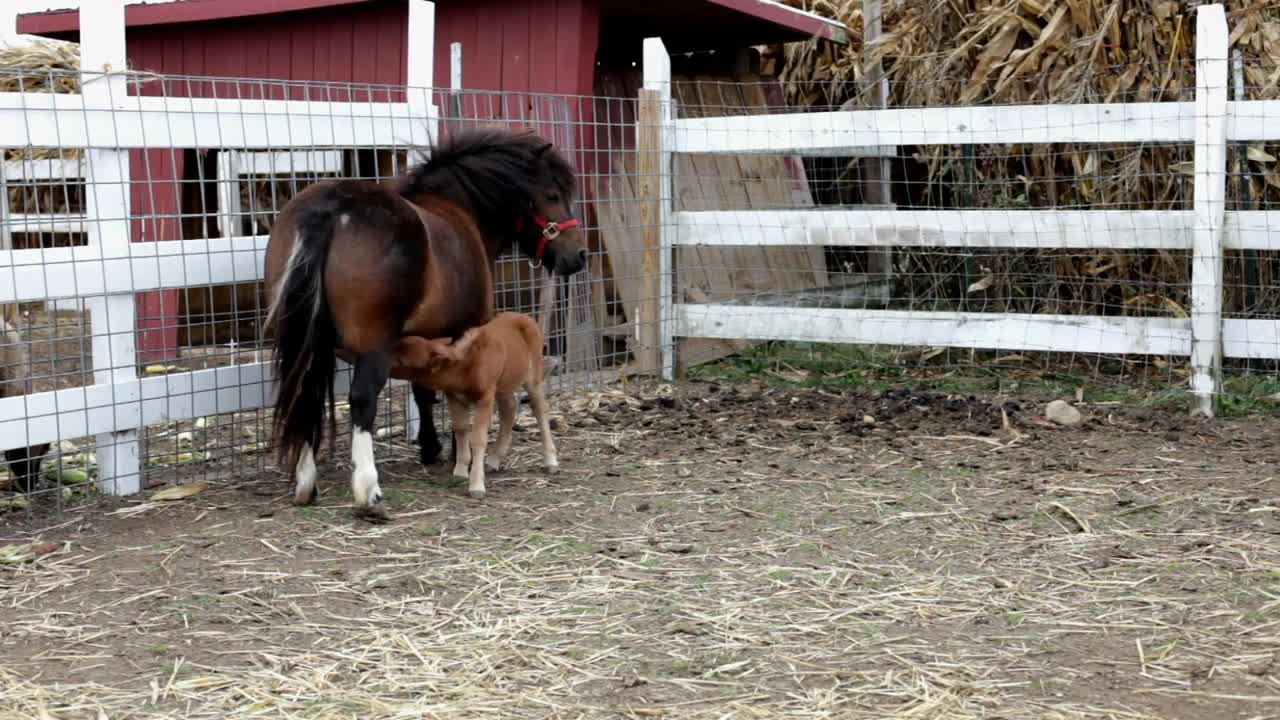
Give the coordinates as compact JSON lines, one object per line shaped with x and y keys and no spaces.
{"x":557,"y":49}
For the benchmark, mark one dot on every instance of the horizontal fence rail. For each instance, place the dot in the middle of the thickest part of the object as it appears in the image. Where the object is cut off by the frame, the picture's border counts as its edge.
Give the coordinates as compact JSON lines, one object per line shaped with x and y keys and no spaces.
{"x":57,"y":120}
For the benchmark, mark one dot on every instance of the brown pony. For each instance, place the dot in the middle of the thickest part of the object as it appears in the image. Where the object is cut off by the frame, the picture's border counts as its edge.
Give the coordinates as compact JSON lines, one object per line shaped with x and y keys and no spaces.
{"x":353,"y":265}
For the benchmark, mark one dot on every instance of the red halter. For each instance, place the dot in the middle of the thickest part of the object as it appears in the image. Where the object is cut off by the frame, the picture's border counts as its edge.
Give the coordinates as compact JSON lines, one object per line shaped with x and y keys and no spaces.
{"x":550,"y":231}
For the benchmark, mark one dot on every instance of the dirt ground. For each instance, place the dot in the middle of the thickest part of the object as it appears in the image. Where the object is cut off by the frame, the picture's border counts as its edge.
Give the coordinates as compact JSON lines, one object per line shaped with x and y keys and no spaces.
{"x":706,"y":552}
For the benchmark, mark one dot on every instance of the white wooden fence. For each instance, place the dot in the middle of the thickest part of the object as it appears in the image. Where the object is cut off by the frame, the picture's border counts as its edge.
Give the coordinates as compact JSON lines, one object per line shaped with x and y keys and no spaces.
{"x":1211,"y":121}
{"x":107,"y":123}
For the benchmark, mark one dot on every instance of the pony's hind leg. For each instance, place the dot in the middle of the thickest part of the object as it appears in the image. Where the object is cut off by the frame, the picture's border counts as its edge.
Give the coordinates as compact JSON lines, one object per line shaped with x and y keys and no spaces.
{"x":371,"y":372}
{"x":304,"y":491}
{"x":538,"y":400}
{"x":429,"y":446}
{"x":506,"y":421}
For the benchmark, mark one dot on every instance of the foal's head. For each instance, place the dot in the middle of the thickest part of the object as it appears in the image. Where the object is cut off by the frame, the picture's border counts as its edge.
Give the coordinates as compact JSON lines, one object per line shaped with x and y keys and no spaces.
{"x":519,"y":188}
{"x":432,"y":355}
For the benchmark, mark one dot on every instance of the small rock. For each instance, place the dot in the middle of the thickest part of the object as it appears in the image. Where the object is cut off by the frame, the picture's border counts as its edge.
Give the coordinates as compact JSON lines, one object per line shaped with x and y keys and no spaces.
{"x":1062,"y":413}
{"x":668,"y":402}
{"x":678,"y":548}
{"x":685,"y":628}
{"x":868,"y":420}
{"x":645,"y":506}
{"x":45,"y":548}
{"x":1261,"y":667}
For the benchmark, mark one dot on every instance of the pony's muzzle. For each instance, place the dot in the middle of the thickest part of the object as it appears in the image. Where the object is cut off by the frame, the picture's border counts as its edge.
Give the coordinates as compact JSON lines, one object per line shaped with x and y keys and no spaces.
{"x":569,"y":264}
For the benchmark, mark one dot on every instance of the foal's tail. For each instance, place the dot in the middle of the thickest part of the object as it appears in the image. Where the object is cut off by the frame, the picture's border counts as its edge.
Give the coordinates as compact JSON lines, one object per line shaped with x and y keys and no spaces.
{"x":305,"y":340}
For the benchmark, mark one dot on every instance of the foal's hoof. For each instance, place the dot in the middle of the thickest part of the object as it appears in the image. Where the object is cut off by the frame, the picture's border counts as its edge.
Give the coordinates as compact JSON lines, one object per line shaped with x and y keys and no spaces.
{"x":460,"y":471}
{"x":552,"y":467}
{"x":376,"y":513}
{"x":476,"y":494}
{"x":493,"y":464}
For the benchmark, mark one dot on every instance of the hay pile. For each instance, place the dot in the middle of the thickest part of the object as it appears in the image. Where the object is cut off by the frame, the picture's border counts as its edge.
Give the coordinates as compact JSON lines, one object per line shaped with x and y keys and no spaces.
{"x":38,"y":67}
{"x":42,"y":66}
{"x":954,"y":52}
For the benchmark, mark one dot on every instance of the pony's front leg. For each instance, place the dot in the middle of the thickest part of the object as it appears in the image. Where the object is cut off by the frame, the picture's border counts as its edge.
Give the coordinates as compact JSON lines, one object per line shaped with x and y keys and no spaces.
{"x":429,"y":446}
{"x":304,"y":473}
{"x":371,"y":373}
{"x":460,"y":422}
{"x":538,"y":400}
{"x":481,"y":416}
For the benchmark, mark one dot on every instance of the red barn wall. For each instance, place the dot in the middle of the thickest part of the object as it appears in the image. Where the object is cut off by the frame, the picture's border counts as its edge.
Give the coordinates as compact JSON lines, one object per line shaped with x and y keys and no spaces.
{"x":535,"y":59}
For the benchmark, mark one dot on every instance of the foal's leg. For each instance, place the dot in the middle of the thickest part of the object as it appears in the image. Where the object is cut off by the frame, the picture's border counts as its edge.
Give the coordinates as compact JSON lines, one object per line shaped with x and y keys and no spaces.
{"x":481,"y":416}
{"x":538,"y":399}
{"x":460,"y":422}
{"x":371,"y":372}
{"x":428,"y":442}
{"x":506,"y":420}
{"x":304,"y":491}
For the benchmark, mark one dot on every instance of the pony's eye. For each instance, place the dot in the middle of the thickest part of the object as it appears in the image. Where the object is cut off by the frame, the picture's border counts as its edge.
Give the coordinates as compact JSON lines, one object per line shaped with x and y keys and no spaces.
{"x":553,"y":198}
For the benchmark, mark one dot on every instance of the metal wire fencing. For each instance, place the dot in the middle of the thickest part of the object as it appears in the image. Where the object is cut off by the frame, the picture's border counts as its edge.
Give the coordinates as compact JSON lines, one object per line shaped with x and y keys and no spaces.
{"x":132,"y":238}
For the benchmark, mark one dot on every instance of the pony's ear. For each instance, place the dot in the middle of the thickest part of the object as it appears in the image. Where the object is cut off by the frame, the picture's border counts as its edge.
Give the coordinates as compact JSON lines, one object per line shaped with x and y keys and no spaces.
{"x":542,"y":150}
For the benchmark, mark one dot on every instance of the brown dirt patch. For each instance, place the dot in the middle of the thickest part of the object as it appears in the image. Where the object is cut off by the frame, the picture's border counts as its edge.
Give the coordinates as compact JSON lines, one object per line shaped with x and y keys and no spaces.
{"x":708,"y":552}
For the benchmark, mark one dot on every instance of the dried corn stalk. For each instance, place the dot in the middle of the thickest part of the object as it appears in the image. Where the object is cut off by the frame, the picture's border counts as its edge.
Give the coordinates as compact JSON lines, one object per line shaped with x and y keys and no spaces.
{"x":959,"y":52}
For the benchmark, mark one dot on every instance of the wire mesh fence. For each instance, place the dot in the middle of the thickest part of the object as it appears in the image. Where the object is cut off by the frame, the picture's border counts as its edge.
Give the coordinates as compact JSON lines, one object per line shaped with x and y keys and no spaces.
{"x":196,"y":345}
{"x":1060,"y":224}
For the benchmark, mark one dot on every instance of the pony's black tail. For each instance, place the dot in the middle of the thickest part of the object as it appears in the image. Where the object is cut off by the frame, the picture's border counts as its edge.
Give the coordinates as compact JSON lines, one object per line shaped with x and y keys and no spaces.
{"x":303,"y":361}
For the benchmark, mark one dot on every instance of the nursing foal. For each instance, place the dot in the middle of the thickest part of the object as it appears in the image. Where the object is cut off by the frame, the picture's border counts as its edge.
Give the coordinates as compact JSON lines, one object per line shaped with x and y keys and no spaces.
{"x":485,"y":366}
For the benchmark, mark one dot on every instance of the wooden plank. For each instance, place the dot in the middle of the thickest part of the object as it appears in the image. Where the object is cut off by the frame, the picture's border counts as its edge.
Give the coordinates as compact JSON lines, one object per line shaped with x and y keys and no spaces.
{"x":83,"y":271}
{"x":876,"y":133}
{"x":1252,"y":230}
{"x":706,"y":273}
{"x":76,"y":121}
{"x":649,"y":160}
{"x":785,"y":186}
{"x":876,"y":172}
{"x":1040,"y":229}
{"x":92,"y":271}
{"x":1252,"y":119}
{"x":138,"y":402}
{"x":985,"y":331}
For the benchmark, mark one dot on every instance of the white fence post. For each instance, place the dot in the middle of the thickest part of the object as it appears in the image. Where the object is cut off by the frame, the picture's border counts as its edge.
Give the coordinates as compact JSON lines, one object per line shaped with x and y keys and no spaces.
{"x":102,"y":59}
{"x":1209,"y":207}
{"x":419,"y":79}
{"x":657,"y":78}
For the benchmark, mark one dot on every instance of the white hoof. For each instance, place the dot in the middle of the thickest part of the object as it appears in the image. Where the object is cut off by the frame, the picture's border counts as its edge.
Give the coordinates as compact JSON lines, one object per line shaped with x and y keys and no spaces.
{"x":460,"y":471}
{"x":493,"y":463}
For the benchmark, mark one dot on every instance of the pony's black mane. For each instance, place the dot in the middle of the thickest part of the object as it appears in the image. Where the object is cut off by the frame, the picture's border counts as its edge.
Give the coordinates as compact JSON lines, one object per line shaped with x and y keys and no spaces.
{"x":489,"y":171}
